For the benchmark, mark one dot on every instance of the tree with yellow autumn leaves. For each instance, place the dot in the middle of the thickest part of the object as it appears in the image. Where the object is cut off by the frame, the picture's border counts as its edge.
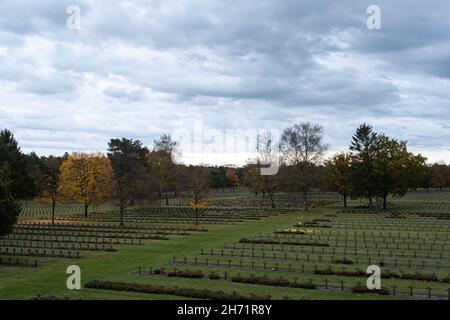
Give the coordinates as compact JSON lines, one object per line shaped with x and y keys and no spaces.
{"x":199,"y":188}
{"x":87,"y":178}
{"x":233,"y":179}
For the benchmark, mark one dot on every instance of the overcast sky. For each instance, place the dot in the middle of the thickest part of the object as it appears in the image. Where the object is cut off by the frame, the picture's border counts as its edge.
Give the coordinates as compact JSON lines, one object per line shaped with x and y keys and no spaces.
{"x":142,"y":68}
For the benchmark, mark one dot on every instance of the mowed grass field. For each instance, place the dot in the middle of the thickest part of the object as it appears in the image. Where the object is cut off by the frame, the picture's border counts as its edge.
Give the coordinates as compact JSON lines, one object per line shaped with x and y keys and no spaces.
{"x":224,"y":229}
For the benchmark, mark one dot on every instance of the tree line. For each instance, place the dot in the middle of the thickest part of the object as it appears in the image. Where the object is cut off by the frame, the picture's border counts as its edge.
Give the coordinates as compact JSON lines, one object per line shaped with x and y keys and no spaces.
{"x":127,"y":173}
{"x":374,"y":167}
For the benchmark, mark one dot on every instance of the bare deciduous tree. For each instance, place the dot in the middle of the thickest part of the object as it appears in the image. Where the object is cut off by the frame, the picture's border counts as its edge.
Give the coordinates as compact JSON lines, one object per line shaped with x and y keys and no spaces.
{"x":268,"y":155}
{"x":302,"y":149}
{"x":163,"y":169}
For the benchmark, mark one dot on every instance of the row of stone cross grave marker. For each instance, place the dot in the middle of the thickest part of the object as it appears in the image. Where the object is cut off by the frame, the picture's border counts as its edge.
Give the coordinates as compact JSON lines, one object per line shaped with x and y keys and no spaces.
{"x":326,"y":285}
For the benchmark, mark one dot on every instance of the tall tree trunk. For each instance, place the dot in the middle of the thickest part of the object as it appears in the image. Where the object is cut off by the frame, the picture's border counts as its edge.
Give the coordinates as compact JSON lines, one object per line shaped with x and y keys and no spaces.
{"x":385,"y":201}
{"x":86,"y":210}
{"x":305,"y":196}
{"x":345,"y":200}
{"x":196,"y":216}
{"x":53,"y":211}
{"x":121,"y":212}
{"x":167,"y":199}
{"x":271,"y":200}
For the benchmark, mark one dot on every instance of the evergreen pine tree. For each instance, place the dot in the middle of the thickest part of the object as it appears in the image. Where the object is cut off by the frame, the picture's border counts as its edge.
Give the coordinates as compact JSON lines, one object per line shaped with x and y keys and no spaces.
{"x":9,"y":208}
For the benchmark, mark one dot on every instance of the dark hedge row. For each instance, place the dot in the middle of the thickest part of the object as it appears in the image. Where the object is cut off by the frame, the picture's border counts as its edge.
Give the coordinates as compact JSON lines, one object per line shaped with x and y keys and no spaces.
{"x":315,"y":225}
{"x":362,"y":289}
{"x":343,"y":261}
{"x":287,"y":242}
{"x":175,"y":291}
{"x":330,"y":272}
{"x":297,"y":231}
{"x":186,"y":274}
{"x":214,"y":276}
{"x":280,"y":282}
{"x":47,"y":298}
{"x":385,"y":275}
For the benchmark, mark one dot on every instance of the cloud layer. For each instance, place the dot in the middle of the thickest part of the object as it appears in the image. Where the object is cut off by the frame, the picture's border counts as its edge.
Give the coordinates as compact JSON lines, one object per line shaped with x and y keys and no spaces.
{"x":142,"y":68}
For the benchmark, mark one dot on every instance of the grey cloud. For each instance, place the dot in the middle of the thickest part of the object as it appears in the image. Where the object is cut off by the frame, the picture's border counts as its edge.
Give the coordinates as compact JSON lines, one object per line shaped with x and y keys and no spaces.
{"x":44,"y":17}
{"x":47,"y":86}
{"x":122,"y":93}
{"x":141,"y":68}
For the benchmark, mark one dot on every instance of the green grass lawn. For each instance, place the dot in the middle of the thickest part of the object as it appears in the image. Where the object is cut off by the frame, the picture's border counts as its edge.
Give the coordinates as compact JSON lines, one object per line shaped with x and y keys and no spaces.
{"x":50,"y":278}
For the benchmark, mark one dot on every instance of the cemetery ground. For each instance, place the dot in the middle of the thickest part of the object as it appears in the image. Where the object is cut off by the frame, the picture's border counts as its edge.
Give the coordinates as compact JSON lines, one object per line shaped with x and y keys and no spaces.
{"x":245,"y":252}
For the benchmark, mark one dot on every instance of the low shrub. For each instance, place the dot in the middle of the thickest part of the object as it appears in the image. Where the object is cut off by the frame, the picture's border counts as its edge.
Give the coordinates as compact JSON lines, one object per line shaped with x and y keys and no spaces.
{"x":419,"y":276}
{"x":274,"y":282}
{"x":343,"y":261}
{"x":214,"y":276}
{"x":321,"y":220}
{"x":291,"y":231}
{"x":258,"y":241}
{"x":386,"y":275}
{"x":305,"y":285}
{"x":346,"y":273}
{"x":186,"y":274}
{"x":287,"y":242}
{"x":278,"y":282}
{"x":46,"y":298}
{"x":390,"y":275}
{"x":181,"y":292}
{"x":363,"y":289}
{"x":311,"y":244}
